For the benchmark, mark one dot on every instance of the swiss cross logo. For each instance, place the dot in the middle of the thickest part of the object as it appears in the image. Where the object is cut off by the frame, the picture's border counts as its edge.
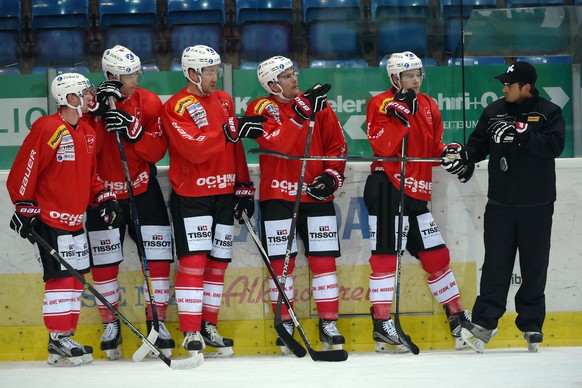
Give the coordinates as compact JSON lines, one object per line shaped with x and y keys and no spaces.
{"x":158,"y":237}
{"x":105,"y":242}
{"x":282,"y":232}
{"x":324,"y":228}
{"x":203,"y":228}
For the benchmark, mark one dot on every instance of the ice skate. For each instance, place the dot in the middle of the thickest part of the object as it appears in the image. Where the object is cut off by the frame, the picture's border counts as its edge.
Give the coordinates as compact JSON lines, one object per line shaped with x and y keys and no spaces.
{"x":288,"y":325}
{"x":213,"y":339}
{"x":87,"y":356}
{"x":64,"y":352}
{"x":164,"y":342}
{"x":386,"y":337}
{"x":111,"y":339}
{"x":455,"y":322}
{"x":329,"y":336}
{"x":534,"y":339}
{"x":193,"y":342}
{"x":476,"y":336}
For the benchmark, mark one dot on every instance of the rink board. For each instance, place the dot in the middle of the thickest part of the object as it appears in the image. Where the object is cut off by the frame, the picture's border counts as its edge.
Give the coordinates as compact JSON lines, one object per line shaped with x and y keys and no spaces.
{"x":246,"y":315}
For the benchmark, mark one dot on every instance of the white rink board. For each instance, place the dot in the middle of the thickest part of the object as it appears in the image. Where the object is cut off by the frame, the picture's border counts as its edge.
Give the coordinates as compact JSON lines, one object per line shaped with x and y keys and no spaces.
{"x":458,"y":209}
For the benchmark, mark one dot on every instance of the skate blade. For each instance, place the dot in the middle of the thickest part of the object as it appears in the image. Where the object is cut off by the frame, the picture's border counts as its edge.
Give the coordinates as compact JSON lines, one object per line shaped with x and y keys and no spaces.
{"x":473,"y":342}
{"x":60,"y":361}
{"x":533,"y":347}
{"x":87,"y":358}
{"x":460,"y":344}
{"x":382,"y":347}
{"x":113,"y":354}
{"x":326,"y":347}
{"x":285,"y":351}
{"x":220,"y":353}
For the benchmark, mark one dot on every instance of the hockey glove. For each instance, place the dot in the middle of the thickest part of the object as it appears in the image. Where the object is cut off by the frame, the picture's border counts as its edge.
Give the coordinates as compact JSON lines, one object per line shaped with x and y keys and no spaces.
{"x":466,"y":172}
{"x":25,"y":217}
{"x":311,"y":101}
{"x":324,"y":185}
{"x":104,"y":91}
{"x":244,"y":200}
{"x":251,"y":126}
{"x":230,"y":131}
{"x":120,"y":121}
{"x":108,"y":209}
{"x":503,"y":131}
{"x":404,"y":105}
{"x":455,"y":158}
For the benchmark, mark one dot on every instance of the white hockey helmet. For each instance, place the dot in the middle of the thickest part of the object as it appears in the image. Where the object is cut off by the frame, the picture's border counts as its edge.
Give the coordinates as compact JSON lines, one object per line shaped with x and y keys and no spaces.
{"x":70,"y":83}
{"x":120,"y":60}
{"x":198,"y":57}
{"x":269,"y":70}
{"x":399,"y":62}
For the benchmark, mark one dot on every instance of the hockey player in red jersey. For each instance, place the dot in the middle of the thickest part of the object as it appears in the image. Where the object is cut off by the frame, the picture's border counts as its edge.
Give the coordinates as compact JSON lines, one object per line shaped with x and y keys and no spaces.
{"x":402,"y":111}
{"x":288,"y":111}
{"x":136,"y":115}
{"x":52,"y":181}
{"x":210,"y":183}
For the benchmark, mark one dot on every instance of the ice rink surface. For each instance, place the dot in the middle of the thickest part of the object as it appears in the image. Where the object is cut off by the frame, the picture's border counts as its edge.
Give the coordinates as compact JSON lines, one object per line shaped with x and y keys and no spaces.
{"x":497,"y":368}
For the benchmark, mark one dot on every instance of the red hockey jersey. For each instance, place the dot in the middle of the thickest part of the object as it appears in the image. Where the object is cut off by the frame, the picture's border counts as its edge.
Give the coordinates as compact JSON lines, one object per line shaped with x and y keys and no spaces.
{"x":202,"y":162}
{"x":424,"y":140}
{"x":280,"y":177}
{"x":56,"y":167}
{"x":152,"y":146}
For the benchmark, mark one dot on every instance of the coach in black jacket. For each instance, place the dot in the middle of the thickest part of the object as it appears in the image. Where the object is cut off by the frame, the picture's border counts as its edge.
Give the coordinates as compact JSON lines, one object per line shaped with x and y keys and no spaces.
{"x":522,"y":133}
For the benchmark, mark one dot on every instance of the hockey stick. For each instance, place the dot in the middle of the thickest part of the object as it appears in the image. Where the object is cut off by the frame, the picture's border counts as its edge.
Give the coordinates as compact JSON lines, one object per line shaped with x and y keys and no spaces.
{"x":291,"y":235}
{"x":143,"y":350}
{"x":292,"y":344}
{"x":187,"y":363}
{"x":262,"y":151}
{"x":405,"y":339}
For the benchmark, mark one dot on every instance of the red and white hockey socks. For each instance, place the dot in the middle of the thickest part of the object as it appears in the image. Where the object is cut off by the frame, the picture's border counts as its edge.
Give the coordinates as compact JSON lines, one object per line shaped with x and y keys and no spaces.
{"x":62,"y":304}
{"x":213,"y":286}
{"x":382,"y":284}
{"x":105,"y":281}
{"x":441,"y":280}
{"x":189,"y":287}
{"x":289,"y":289}
{"x":324,"y":286}
{"x":160,"y":277}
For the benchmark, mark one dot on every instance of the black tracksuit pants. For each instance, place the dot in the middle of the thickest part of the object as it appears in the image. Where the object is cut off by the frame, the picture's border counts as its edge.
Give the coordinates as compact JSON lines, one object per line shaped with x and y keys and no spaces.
{"x":508,"y":229}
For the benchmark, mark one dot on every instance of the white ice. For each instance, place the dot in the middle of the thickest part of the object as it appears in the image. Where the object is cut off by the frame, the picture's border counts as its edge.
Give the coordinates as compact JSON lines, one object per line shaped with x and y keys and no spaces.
{"x":497,"y":368}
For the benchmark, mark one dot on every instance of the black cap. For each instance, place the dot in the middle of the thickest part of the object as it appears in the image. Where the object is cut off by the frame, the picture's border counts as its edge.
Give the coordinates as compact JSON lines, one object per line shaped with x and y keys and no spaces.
{"x":518,"y":72}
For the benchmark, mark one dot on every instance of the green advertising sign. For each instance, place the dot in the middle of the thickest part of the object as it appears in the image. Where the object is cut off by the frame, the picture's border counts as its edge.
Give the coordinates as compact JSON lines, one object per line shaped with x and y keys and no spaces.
{"x":23,"y":99}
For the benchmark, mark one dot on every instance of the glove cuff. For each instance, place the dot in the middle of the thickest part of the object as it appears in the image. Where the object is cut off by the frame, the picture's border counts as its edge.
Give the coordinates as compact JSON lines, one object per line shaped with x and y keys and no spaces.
{"x":103,"y":196}
{"x":337,"y":177}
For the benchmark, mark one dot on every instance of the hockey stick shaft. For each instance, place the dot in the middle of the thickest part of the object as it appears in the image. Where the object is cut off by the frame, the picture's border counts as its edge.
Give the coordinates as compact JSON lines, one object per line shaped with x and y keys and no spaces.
{"x":174,"y":364}
{"x":298,"y":350}
{"x":141,"y":352}
{"x":296,"y":206}
{"x":348,"y":158}
{"x":405,"y":339}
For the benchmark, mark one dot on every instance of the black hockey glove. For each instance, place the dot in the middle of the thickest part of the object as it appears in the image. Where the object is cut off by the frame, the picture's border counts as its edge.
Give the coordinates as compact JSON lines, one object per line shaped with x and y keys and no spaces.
{"x":404,"y":105}
{"x":466,"y":172}
{"x":506,"y":131}
{"x":104,"y":91}
{"x":251,"y":126}
{"x":108,"y":209}
{"x":25,"y":217}
{"x":311,"y":101}
{"x":128,"y":126}
{"x":455,"y":158}
{"x":324,"y":185}
{"x":244,"y":200}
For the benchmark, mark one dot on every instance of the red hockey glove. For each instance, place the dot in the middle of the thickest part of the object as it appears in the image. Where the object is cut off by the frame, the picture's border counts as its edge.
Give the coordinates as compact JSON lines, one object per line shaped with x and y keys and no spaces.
{"x":25,"y":217}
{"x":108,"y":209}
{"x":127,"y":125}
{"x":244,"y":200}
{"x":324,"y":185}
{"x":404,"y":105}
{"x":101,"y":103}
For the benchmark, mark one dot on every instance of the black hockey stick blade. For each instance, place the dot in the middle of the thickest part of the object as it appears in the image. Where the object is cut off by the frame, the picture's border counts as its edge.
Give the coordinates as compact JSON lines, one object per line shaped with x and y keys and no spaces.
{"x":293,"y":345}
{"x":328,"y":355}
{"x":404,"y":338}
